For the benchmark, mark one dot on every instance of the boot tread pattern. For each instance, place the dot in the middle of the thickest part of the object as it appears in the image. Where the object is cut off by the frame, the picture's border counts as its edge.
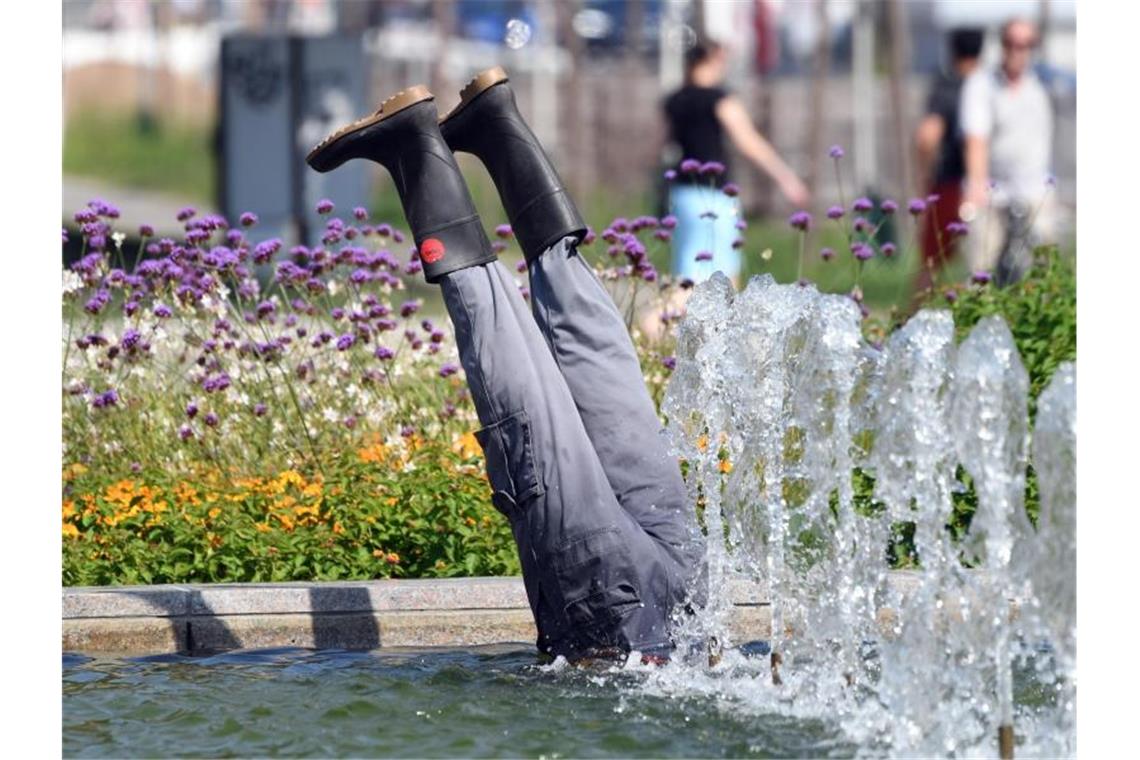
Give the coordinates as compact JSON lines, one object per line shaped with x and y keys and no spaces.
{"x":390,"y":106}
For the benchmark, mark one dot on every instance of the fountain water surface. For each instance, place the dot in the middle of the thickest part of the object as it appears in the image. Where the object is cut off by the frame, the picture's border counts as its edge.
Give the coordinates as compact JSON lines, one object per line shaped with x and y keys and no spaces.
{"x":776,"y":403}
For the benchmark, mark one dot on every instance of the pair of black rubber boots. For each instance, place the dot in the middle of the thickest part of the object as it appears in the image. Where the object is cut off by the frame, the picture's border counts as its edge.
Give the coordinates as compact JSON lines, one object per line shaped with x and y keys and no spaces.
{"x":408,"y":138}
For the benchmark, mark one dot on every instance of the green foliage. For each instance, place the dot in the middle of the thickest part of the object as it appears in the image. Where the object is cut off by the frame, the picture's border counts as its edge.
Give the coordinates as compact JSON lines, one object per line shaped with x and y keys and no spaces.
{"x":1041,"y":311}
{"x":423,"y":511}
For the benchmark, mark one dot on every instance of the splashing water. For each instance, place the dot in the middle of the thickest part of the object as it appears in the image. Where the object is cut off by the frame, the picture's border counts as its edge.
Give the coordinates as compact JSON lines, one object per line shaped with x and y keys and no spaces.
{"x":775,"y":400}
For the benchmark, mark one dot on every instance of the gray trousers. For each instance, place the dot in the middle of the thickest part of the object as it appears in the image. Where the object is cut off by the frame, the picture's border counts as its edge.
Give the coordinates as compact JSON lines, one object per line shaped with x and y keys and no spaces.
{"x":575,"y":455}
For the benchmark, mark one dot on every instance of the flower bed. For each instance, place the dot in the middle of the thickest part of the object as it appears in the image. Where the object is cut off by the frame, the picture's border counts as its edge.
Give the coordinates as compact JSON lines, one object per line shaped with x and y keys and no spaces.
{"x":235,"y":411}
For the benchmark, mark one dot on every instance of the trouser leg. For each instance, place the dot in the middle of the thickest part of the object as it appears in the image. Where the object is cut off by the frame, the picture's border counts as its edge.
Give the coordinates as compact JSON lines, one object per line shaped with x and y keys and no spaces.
{"x":594,"y":578}
{"x":597,"y":359}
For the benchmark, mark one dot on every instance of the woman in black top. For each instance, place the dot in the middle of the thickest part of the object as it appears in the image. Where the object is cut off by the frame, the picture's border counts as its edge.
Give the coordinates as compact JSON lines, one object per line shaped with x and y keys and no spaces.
{"x":699,"y":115}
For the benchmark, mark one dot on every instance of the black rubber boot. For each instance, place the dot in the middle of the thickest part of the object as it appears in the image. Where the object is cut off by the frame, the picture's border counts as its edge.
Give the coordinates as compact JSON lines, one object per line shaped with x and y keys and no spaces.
{"x":403,"y":136}
{"x":487,"y":123}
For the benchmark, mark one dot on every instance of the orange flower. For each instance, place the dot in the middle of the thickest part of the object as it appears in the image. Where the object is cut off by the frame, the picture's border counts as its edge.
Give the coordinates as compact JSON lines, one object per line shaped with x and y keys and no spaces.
{"x":70,"y":531}
{"x":703,"y":442}
{"x":725,"y":466}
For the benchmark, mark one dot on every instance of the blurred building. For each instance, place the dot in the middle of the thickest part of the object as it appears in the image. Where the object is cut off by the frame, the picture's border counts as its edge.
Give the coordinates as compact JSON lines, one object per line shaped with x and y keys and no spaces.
{"x":590,"y":74}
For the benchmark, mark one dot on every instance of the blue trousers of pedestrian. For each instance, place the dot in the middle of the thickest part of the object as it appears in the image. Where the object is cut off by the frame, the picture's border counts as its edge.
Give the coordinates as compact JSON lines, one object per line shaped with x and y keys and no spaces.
{"x":575,"y":454}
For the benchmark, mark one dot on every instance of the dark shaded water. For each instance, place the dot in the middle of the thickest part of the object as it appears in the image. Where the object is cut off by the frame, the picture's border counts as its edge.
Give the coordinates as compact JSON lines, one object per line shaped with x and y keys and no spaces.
{"x":478,"y":702}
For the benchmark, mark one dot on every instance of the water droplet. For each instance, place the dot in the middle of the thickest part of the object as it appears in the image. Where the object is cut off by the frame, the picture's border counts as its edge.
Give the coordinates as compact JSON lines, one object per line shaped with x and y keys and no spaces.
{"x":518,"y":33}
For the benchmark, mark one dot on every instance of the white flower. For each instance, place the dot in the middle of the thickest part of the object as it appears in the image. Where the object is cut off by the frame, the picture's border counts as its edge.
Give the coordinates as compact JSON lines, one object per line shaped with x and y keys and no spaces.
{"x":118,"y":237}
{"x":334,"y":287}
{"x":71,"y":282}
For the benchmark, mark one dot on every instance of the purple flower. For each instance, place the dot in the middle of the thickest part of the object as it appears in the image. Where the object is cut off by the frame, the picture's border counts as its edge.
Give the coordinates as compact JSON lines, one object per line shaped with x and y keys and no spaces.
{"x":649,"y":275}
{"x":591,"y":236}
{"x":248,"y":219}
{"x":265,"y":250}
{"x":690,"y":166}
{"x":498,"y":246}
{"x":916,"y":206}
{"x":146,"y":230}
{"x":162,"y":311}
{"x":324,"y":206}
{"x":219,"y":382}
{"x":669,"y":362}
{"x":191,"y":410}
{"x":835,"y":212}
{"x":957,"y":229}
{"x":360,"y":213}
{"x":520,"y":267}
{"x":731,"y":189}
{"x":383,"y":353}
{"x":933,"y":198}
{"x":835,"y":152}
{"x":259,"y":409}
{"x":397,"y":236}
{"x":524,"y":291}
{"x":85,"y":216}
{"x":131,"y":338}
{"x":888,"y":206}
{"x":800,"y":220}
{"x":107,"y":398}
{"x":704,"y":256}
{"x":64,"y":236}
{"x":669,"y":222}
{"x":887,"y":249}
{"x":448,"y":369}
{"x":713,"y":168}
{"x":344,"y":342}
{"x":337,"y":313}
{"x":186,"y":212}
{"x":185,"y":433}
{"x":663,"y":235}
{"x":437,"y":336}
{"x":981,"y":277}
{"x":862,"y":205}
{"x":503,"y":231}
{"x":862,"y":251}
{"x":670,"y":174}
{"x":950,"y":295}
{"x":686,"y":283}
{"x":826,"y":254}
{"x":211,"y":419}
{"x":860,"y":224}
{"x":409,"y":308}
{"x":384,"y":230}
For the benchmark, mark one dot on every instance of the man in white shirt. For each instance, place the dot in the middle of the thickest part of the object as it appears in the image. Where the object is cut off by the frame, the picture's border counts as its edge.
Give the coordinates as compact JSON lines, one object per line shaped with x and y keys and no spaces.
{"x":1007,"y":124}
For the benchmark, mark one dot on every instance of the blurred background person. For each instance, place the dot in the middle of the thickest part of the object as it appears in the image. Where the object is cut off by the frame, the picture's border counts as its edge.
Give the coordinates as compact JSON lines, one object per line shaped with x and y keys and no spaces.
{"x":1007,"y":123}
{"x":938,"y":144}
{"x":699,"y":115}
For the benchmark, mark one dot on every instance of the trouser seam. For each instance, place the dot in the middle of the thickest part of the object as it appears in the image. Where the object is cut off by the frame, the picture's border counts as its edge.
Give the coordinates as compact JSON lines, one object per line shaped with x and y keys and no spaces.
{"x":491,"y":401}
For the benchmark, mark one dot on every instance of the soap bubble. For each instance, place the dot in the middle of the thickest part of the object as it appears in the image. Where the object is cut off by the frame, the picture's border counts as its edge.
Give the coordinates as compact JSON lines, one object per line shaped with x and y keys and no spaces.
{"x":682,"y":36}
{"x":518,"y":33}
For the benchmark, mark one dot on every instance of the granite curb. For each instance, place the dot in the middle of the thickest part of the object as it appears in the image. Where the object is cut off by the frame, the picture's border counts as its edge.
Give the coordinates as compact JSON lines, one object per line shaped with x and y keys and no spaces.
{"x":193,"y":618}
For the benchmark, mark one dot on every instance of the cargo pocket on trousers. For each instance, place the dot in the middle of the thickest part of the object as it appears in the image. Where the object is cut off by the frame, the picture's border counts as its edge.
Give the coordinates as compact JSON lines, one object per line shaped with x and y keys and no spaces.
{"x":597,"y":578}
{"x":512,"y":467}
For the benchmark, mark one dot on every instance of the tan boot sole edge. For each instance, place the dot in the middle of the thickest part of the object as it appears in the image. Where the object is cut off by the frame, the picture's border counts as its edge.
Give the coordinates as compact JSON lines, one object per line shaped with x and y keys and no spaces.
{"x":390,"y":107}
{"x":481,"y":82}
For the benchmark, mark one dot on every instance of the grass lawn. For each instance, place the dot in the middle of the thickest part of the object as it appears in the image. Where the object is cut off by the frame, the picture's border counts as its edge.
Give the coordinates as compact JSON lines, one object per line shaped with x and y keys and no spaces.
{"x":123,"y":150}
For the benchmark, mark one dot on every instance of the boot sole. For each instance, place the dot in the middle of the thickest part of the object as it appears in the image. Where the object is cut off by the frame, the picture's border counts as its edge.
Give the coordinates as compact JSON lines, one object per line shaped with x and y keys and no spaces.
{"x":479,"y":84}
{"x":390,"y":107}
